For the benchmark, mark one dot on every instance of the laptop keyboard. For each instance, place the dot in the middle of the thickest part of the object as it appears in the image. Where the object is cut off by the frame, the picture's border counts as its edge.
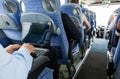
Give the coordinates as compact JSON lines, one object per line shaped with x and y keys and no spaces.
{"x":41,"y":51}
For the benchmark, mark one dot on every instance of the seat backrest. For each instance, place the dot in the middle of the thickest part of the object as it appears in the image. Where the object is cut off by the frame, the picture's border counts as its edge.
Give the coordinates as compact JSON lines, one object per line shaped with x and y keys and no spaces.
{"x":94,"y":19}
{"x":114,"y":37}
{"x":116,"y":58}
{"x":74,"y":11}
{"x":117,"y":42}
{"x":10,"y":19}
{"x":112,"y":27}
{"x":91,"y":18}
{"x":37,"y":28}
{"x":69,"y":25}
{"x":52,"y":9}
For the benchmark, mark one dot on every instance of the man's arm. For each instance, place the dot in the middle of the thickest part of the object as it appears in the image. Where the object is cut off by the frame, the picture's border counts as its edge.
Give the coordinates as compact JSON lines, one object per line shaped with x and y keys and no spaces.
{"x":23,"y":54}
{"x":11,"y":48}
{"x":16,"y":65}
{"x":87,"y":24}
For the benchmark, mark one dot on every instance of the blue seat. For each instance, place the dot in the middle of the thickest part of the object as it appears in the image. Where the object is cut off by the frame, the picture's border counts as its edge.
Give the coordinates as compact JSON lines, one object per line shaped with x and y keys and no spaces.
{"x":90,"y":19}
{"x":117,"y":72}
{"x":116,"y":58}
{"x":69,"y":8}
{"x":37,"y":28}
{"x":59,"y":43}
{"x":33,"y":13}
{"x":94,"y":18}
{"x":11,"y":22}
{"x":11,"y":25}
{"x":114,"y":37}
{"x":52,"y":9}
{"x":74,"y":11}
{"x":112,"y":28}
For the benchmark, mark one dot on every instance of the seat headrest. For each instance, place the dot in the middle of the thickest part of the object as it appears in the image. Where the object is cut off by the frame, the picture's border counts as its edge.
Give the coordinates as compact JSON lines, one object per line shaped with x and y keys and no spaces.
{"x":76,"y":21}
{"x":49,"y":5}
{"x":10,"y":6}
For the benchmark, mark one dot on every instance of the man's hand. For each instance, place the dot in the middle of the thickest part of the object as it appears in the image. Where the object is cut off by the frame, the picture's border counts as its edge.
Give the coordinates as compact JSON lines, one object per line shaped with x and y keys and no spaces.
{"x":11,"y":48}
{"x":29,"y":47}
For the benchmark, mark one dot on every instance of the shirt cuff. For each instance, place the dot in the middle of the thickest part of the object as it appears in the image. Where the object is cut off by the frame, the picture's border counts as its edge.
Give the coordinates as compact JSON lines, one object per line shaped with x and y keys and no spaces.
{"x":24,"y":53}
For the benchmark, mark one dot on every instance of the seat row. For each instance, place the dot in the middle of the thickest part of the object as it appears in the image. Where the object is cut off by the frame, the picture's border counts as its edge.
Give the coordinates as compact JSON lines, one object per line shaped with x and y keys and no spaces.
{"x":114,"y":45}
{"x":40,"y":22}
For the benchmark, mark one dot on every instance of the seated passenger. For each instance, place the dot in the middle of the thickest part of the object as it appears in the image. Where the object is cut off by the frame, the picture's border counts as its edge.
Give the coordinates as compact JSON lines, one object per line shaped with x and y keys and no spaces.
{"x":71,"y":29}
{"x":118,"y":29}
{"x":85,"y":21}
{"x":15,"y":61}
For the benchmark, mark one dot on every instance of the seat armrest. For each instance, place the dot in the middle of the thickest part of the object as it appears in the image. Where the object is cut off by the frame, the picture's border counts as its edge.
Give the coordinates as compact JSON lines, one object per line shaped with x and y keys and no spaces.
{"x":110,"y":57}
{"x":110,"y":65}
{"x":38,"y":65}
{"x":39,"y":61}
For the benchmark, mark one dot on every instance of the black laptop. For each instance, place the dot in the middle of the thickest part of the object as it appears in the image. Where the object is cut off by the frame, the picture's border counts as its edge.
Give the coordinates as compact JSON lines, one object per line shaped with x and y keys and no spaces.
{"x":38,"y":35}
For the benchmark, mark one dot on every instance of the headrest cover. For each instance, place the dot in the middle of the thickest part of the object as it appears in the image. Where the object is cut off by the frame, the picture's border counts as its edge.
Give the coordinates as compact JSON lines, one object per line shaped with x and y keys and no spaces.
{"x":49,"y":5}
{"x":76,"y":11}
{"x":75,"y":21}
{"x":10,"y":6}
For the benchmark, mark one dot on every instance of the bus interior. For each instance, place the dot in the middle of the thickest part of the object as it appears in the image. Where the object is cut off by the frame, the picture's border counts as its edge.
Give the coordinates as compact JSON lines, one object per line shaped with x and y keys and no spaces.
{"x":77,"y":39}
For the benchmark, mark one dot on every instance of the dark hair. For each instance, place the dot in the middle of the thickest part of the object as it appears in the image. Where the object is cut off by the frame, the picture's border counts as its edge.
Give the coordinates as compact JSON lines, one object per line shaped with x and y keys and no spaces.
{"x":74,"y":1}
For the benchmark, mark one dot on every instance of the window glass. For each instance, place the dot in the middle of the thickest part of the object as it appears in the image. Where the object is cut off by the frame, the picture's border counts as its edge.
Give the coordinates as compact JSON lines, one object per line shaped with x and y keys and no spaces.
{"x":62,"y":2}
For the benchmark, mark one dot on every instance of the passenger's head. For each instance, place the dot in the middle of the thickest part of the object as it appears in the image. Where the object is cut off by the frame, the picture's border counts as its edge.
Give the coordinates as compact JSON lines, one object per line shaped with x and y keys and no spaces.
{"x":118,"y":25}
{"x":118,"y":28}
{"x":74,"y":1}
{"x":112,"y":18}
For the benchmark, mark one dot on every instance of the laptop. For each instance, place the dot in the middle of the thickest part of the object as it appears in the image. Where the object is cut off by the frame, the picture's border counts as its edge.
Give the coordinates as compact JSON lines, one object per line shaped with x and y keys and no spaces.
{"x":33,"y":37}
{"x":39,"y":50}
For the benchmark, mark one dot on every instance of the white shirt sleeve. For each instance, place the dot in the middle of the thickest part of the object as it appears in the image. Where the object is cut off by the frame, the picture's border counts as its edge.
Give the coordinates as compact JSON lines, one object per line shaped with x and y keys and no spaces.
{"x":16,"y":65}
{"x":23,"y":54}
